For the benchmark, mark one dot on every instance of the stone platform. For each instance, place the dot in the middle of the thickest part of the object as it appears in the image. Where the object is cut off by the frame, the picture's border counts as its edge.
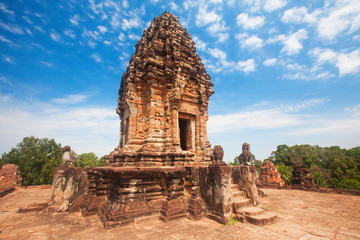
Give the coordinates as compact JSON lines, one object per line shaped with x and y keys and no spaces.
{"x":303,"y":215}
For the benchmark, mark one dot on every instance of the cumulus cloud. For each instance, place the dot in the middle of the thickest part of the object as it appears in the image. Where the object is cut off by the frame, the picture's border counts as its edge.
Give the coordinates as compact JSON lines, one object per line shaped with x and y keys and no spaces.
{"x":174,"y":7}
{"x":339,"y":16}
{"x":247,"y":22}
{"x":70,"y":33}
{"x":204,"y":17}
{"x":199,"y":44}
{"x":272,"y":5}
{"x":347,"y":63}
{"x":270,"y":62}
{"x":292,"y":44}
{"x":249,"y":42}
{"x":130,"y":23}
{"x":222,"y":64}
{"x":300,"y":15}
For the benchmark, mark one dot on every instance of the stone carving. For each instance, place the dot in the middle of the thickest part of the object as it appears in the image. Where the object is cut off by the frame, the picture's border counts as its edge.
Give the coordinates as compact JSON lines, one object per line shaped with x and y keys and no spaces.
{"x":270,"y":176}
{"x":245,"y":156}
{"x":9,"y":176}
{"x":218,"y":154}
{"x":67,"y":157}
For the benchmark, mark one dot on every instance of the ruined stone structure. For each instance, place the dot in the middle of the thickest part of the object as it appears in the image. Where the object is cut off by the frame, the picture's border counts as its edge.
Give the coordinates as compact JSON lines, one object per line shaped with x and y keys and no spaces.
{"x":10,"y":176}
{"x":163,"y":165}
{"x":302,"y":177}
{"x":245,"y":156}
{"x":163,"y":100}
{"x":269,"y":176}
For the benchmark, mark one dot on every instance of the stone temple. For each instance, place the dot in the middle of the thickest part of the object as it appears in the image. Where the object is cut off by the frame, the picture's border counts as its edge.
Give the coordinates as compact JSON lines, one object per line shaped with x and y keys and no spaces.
{"x":164,"y":165}
{"x":163,"y":101}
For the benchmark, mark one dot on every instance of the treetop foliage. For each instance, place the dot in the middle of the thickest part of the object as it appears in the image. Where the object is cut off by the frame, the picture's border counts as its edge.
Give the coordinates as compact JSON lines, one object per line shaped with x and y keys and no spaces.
{"x":38,"y":157}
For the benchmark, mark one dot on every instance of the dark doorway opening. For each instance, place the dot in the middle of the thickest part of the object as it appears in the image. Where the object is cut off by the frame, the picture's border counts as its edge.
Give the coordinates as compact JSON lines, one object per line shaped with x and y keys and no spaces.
{"x":184,"y":127}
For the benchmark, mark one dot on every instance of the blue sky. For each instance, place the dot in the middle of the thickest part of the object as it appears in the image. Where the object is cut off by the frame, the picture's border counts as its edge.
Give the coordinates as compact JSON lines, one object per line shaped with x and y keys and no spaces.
{"x":284,"y":72}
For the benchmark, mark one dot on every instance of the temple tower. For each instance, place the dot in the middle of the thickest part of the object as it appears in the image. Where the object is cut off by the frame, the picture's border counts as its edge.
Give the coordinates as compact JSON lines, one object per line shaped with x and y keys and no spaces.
{"x":163,"y":101}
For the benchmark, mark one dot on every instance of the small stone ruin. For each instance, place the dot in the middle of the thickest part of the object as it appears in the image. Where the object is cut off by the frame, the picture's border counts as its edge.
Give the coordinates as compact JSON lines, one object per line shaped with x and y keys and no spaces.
{"x":10,"y":176}
{"x":301,"y":177}
{"x":164,"y":165}
{"x":269,"y":176}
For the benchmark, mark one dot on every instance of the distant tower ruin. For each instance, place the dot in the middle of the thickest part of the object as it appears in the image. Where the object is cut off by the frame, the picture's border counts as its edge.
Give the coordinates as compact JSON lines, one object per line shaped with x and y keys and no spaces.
{"x":163,"y":101}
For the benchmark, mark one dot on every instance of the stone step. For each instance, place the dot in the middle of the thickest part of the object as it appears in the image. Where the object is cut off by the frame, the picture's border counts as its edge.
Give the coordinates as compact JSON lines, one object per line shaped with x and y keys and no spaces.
{"x":262,"y":219}
{"x":240,"y":203}
{"x":253,"y":211}
{"x":237,"y":194}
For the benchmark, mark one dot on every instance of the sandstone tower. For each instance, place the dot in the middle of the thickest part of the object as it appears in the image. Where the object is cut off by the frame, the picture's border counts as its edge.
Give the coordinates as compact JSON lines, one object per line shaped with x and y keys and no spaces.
{"x":163,"y":101}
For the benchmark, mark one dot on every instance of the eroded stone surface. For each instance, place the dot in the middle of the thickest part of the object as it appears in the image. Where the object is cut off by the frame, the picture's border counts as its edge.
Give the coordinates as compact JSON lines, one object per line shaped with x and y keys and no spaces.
{"x":302,"y":178}
{"x":245,"y":156}
{"x":270,"y":176}
{"x":9,"y":176}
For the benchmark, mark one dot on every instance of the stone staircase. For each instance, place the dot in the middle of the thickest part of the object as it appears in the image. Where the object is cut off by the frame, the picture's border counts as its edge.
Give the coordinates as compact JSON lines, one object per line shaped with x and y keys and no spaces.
{"x":245,"y":211}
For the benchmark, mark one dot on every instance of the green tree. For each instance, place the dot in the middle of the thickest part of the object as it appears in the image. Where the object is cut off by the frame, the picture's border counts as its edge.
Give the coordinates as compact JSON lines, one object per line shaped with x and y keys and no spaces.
{"x":286,"y":172}
{"x":89,"y":160}
{"x":36,"y":158}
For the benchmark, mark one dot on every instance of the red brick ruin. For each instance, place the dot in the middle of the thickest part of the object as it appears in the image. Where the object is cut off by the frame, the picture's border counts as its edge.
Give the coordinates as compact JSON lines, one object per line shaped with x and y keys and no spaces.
{"x":164,"y":165}
{"x":10,"y":176}
{"x":269,"y":176}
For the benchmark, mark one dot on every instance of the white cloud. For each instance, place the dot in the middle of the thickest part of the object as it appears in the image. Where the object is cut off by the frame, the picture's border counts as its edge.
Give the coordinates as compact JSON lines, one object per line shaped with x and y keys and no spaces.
{"x":4,"y":39}
{"x":204,"y":17}
{"x":74,"y":20}
{"x":70,"y":99}
{"x":3,"y":79}
{"x":349,"y":63}
{"x":222,"y":64}
{"x":247,"y":22}
{"x":300,"y":15}
{"x":246,"y":66}
{"x":70,"y":33}
{"x":102,"y":29}
{"x":130,"y":23}
{"x":8,"y":59}
{"x":125,"y":4}
{"x":279,"y":117}
{"x":292,"y":42}
{"x":272,"y":5}
{"x":155,"y":1}
{"x":55,"y":36}
{"x":3,"y":8}
{"x":121,"y":37}
{"x":46,"y":63}
{"x":339,"y":16}
{"x":199,"y":44}
{"x":96,"y":57}
{"x":270,"y":62}
{"x":85,"y":129}
{"x":249,"y":42}
{"x":13,"y":28}
{"x":134,"y":37}
{"x":174,"y":7}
